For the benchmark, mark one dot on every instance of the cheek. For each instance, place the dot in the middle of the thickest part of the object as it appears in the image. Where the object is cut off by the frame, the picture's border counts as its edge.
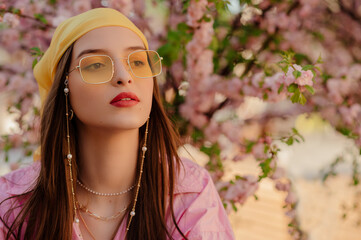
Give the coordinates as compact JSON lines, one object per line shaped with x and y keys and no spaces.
{"x":149,"y":94}
{"x":84,"y":98}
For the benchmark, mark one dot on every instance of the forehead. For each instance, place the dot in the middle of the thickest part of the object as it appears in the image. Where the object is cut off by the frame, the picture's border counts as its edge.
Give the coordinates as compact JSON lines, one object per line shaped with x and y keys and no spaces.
{"x":113,"y":39}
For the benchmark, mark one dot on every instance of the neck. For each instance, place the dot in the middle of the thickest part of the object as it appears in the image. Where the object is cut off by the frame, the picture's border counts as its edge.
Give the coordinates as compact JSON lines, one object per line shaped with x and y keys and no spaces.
{"x":108,"y":158}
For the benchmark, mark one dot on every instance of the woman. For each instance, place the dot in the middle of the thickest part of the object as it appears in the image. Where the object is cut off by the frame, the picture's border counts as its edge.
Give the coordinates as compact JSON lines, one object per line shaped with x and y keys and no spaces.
{"x":108,"y":167}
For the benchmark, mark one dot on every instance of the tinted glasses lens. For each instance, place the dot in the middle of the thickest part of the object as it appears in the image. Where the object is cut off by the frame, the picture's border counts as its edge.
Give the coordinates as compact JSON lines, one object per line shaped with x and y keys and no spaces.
{"x":96,"y":69}
{"x":145,"y":63}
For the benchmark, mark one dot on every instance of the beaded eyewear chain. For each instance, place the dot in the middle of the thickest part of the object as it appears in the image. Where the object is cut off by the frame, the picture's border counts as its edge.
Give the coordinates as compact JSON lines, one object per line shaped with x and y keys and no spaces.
{"x":69,"y":157}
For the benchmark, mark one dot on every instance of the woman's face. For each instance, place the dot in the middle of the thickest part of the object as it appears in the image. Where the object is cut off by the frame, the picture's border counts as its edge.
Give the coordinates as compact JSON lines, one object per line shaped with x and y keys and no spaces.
{"x":122,"y":103}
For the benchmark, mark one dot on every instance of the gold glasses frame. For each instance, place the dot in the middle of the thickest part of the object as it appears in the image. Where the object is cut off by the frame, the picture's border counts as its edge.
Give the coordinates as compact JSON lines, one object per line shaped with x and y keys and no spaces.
{"x":113,"y":68}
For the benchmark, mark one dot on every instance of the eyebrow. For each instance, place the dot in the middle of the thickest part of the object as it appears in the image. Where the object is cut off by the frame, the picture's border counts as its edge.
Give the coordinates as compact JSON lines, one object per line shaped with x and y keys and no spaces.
{"x":87,"y":51}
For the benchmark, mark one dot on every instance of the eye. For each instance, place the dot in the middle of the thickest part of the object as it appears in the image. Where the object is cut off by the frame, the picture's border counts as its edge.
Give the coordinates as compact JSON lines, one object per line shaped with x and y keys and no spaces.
{"x":94,"y":66}
{"x":138,"y":63}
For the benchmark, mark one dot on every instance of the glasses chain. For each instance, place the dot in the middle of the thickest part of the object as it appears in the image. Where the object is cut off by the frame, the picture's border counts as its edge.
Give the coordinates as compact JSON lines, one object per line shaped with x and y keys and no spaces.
{"x":69,"y":157}
{"x":144,"y":149}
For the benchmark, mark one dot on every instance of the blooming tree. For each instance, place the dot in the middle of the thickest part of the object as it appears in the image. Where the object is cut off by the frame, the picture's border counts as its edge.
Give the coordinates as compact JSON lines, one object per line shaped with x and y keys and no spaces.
{"x":301,"y":53}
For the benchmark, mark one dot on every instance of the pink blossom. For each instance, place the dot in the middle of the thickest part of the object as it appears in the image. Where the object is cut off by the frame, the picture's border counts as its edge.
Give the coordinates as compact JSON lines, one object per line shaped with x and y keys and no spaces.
{"x":291,"y":214}
{"x":196,"y":10}
{"x":212,"y":131}
{"x":355,"y":111}
{"x":16,"y":83}
{"x":10,"y":39}
{"x":124,"y":6}
{"x":193,"y":48}
{"x":274,"y":82}
{"x":241,"y":189}
{"x":305,"y":78}
{"x":139,"y":6}
{"x":203,"y":35}
{"x":175,"y":19}
{"x":26,"y":104}
{"x":32,"y":136}
{"x":285,"y":187}
{"x":257,"y":79}
{"x":13,"y":166}
{"x":187,"y":111}
{"x":199,"y":120}
{"x":291,"y":198}
{"x":258,"y":151}
{"x":204,"y":103}
{"x":278,"y":173}
{"x":15,"y":140}
{"x":80,"y":6}
{"x":177,"y":71}
{"x":11,"y":19}
{"x":305,"y":11}
{"x":249,"y":91}
{"x":3,"y":81}
{"x":205,"y":63}
{"x":231,"y":130}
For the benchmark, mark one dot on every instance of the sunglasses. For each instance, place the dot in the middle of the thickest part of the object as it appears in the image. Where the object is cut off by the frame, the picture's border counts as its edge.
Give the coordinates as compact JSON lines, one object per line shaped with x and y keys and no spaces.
{"x":97,"y":69}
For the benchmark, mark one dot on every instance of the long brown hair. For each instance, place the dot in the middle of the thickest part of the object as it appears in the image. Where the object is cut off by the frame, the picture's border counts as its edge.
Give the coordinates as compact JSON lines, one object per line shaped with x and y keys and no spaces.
{"x":48,"y":209}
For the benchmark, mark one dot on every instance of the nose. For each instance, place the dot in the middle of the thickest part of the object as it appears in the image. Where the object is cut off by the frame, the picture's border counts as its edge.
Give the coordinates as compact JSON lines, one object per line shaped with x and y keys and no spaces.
{"x":122,"y":74}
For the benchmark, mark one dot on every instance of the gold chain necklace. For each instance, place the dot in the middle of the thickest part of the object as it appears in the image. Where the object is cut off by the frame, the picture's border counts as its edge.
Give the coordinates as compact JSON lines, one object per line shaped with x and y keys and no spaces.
{"x":98,"y":217}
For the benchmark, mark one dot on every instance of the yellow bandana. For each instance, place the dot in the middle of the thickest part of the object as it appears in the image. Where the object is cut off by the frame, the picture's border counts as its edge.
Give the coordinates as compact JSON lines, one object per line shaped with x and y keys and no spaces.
{"x":68,"y":32}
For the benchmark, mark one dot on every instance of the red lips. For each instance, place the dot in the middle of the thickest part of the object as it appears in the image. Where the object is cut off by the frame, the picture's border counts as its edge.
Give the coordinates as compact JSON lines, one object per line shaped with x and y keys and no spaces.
{"x":125,"y":99}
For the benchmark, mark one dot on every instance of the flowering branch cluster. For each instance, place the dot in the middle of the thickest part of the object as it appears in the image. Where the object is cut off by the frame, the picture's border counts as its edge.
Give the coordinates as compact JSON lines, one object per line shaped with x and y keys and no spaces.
{"x":215,"y":62}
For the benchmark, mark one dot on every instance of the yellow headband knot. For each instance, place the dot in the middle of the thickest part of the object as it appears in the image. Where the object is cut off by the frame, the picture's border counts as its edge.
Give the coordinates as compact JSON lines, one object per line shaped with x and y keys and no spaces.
{"x":67,"y":33}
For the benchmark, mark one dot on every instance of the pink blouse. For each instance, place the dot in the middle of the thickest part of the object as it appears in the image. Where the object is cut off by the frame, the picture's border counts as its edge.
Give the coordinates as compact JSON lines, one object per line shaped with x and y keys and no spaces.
{"x":197,"y":207}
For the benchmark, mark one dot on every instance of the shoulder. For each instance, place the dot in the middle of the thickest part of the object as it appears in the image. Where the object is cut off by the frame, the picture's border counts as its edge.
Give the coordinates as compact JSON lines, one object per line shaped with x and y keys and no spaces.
{"x":191,"y":177}
{"x":198,"y":209}
{"x":19,"y":181}
{"x":12,"y":184}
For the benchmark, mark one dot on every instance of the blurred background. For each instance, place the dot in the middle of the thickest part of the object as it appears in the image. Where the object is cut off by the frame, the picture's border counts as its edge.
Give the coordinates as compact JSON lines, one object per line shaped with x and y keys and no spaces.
{"x":265,"y":95}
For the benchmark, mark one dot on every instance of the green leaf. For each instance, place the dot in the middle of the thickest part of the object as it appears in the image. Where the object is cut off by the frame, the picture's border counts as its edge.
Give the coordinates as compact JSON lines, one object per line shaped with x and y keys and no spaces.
{"x":197,"y":135}
{"x":302,"y":99}
{"x":234,"y":206}
{"x":265,"y":166}
{"x":307,"y":67}
{"x":28,"y":153}
{"x":15,"y":11}
{"x":310,"y":89}
{"x":280,"y":88}
{"x":35,"y":61}
{"x":249,"y":146}
{"x":319,"y":60}
{"x":40,"y":17}
{"x":292,"y":88}
{"x":289,"y":142}
{"x":295,"y":97}
{"x":239,"y":177}
{"x":285,"y":69}
{"x":296,"y":74}
{"x":265,"y":96}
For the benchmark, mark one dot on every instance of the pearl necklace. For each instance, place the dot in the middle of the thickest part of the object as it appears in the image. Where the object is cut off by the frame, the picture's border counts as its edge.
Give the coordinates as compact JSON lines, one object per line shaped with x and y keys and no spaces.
{"x":104,"y":194}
